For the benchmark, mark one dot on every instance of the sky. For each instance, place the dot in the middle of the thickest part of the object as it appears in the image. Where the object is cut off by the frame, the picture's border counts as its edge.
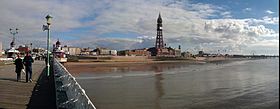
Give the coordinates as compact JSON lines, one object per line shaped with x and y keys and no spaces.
{"x":214,"y":26}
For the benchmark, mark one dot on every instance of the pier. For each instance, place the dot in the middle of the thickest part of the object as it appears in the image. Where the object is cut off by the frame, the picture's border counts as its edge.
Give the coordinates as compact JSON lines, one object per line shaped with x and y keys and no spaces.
{"x":60,"y":90}
{"x":22,"y":95}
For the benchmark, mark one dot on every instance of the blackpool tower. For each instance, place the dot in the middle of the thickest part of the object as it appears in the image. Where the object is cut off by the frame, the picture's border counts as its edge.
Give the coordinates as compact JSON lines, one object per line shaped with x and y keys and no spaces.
{"x":159,"y":39}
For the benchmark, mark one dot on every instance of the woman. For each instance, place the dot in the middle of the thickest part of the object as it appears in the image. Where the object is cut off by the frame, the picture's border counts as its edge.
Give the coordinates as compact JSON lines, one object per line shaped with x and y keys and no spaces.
{"x":19,"y":67}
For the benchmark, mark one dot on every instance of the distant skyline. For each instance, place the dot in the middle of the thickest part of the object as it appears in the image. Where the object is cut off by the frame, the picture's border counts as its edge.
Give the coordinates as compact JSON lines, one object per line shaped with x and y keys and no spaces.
{"x":225,"y":26}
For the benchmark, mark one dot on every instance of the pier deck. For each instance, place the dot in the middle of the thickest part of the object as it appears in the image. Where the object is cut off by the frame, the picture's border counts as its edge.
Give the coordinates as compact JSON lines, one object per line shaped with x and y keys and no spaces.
{"x":21,"y":95}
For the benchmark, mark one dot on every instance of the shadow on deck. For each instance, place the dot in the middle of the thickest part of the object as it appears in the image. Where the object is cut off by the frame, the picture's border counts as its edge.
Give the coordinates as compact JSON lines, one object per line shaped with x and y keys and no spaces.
{"x":43,"y":94}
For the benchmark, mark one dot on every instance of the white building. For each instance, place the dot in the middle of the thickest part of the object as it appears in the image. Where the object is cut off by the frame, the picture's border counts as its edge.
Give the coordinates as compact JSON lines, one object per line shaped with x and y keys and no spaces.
{"x":72,"y":50}
{"x":105,"y":51}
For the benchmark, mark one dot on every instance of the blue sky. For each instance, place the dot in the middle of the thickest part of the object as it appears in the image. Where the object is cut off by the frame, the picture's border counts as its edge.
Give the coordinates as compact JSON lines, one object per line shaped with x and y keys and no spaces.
{"x":235,"y":26}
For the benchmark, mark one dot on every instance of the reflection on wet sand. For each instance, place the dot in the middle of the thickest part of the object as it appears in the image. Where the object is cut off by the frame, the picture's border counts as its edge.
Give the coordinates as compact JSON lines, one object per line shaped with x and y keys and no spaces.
{"x":76,"y":69}
{"x":159,"y":90}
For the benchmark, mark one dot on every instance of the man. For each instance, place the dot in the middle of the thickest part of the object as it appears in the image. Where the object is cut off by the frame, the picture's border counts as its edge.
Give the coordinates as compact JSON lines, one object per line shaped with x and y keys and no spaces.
{"x":27,"y":61}
{"x":19,"y":67}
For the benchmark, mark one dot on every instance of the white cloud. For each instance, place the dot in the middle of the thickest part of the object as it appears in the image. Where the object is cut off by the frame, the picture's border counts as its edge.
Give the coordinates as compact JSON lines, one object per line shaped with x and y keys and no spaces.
{"x":29,"y":16}
{"x":269,"y":12}
{"x":264,"y":20}
{"x":247,"y":9}
{"x":183,"y":23}
{"x":226,"y":14}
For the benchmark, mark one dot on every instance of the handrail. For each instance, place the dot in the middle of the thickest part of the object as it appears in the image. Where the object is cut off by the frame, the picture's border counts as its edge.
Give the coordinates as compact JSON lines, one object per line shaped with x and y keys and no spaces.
{"x":69,"y":93}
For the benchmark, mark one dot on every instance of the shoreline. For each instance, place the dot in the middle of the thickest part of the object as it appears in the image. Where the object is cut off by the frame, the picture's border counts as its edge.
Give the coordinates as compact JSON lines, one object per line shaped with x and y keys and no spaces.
{"x":150,"y":61}
{"x":77,"y":68}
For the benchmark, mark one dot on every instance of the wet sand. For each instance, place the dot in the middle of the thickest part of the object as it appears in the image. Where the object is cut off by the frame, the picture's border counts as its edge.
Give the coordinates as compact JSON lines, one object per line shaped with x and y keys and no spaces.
{"x":244,"y":84}
{"x":89,"y":66}
{"x":76,"y":68}
{"x":103,"y":67}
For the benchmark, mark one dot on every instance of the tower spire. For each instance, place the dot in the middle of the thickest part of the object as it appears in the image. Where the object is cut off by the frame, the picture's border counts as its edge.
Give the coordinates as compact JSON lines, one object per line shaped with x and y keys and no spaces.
{"x":159,"y":20}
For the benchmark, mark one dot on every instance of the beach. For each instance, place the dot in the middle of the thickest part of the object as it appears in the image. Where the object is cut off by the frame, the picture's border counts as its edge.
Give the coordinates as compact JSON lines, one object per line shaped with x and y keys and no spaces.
{"x":231,"y":83}
{"x":93,"y":66}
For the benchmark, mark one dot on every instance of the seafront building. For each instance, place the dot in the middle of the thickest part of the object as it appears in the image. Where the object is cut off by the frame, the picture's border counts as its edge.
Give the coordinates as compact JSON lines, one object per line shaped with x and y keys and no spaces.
{"x":135,"y":52}
{"x":57,"y":45}
{"x":23,"y":49}
{"x":58,"y":53}
{"x":86,"y":51}
{"x":72,"y":50}
{"x":104,"y":51}
{"x":11,"y":53}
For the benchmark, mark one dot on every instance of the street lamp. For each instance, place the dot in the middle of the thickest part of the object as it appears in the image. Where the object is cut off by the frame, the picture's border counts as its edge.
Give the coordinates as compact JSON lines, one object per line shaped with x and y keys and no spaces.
{"x":31,"y":48}
{"x":47,"y":27}
{"x":13,"y":33}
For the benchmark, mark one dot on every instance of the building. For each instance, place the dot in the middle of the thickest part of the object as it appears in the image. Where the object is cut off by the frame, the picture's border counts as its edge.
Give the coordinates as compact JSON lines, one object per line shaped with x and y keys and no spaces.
{"x":159,"y":38}
{"x":136,"y":52}
{"x":12,"y":52}
{"x":203,"y":54}
{"x":160,"y":48}
{"x":57,"y":45}
{"x":58,"y":53}
{"x":187,"y":54}
{"x":86,"y":51}
{"x":39,"y":53}
{"x":105,"y":51}
{"x":72,"y":50}
{"x":38,"y":50}
{"x":23,"y":49}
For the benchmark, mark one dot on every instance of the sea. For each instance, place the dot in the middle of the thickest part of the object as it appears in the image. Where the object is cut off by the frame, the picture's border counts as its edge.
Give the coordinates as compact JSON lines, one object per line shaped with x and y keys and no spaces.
{"x":244,"y":84}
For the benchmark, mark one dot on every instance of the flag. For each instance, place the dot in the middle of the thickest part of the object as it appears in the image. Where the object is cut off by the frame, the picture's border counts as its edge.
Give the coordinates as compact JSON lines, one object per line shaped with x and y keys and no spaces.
{"x":45,"y":27}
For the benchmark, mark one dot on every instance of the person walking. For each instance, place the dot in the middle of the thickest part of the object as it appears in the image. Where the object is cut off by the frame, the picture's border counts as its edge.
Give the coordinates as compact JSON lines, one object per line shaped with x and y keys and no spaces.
{"x":19,"y":67}
{"x":27,"y":61}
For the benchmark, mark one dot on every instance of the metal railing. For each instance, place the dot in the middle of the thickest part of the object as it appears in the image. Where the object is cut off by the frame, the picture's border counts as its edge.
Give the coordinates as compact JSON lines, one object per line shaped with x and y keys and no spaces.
{"x":69,"y":94}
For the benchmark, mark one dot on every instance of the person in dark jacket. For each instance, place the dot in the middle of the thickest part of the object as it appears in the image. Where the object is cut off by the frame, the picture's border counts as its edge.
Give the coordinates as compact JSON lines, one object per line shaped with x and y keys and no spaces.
{"x":27,"y":61}
{"x":19,"y":67}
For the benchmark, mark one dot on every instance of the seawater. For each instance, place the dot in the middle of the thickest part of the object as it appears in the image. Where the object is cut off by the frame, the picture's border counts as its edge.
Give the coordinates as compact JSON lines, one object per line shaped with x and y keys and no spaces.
{"x":247,"y":84}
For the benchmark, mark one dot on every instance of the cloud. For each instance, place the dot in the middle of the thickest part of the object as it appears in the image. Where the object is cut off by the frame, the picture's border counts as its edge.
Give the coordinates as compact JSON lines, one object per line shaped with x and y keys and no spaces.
{"x":184,"y":23}
{"x":226,"y":14}
{"x":237,"y":29}
{"x":29,"y":16}
{"x":269,"y":12}
{"x":247,"y":9}
{"x":264,"y":20}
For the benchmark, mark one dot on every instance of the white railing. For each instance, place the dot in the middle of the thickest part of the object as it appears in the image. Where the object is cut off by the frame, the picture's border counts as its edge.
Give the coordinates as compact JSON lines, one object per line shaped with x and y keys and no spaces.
{"x":69,"y":94}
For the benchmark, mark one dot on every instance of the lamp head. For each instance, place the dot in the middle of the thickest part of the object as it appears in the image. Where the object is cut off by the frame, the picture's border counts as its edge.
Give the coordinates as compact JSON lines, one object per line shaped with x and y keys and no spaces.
{"x":16,"y":30}
{"x":48,"y":17}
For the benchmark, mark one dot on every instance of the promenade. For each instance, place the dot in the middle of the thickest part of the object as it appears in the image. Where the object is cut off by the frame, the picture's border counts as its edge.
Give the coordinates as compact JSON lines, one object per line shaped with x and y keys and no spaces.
{"x":20,"y":95}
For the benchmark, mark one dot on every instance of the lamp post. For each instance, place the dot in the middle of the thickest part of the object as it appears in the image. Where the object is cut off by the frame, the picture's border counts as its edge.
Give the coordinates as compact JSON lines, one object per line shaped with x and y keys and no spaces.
{"x":47,"y":27}
{"x":31,"y":48}
{"x":13,"y":33}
